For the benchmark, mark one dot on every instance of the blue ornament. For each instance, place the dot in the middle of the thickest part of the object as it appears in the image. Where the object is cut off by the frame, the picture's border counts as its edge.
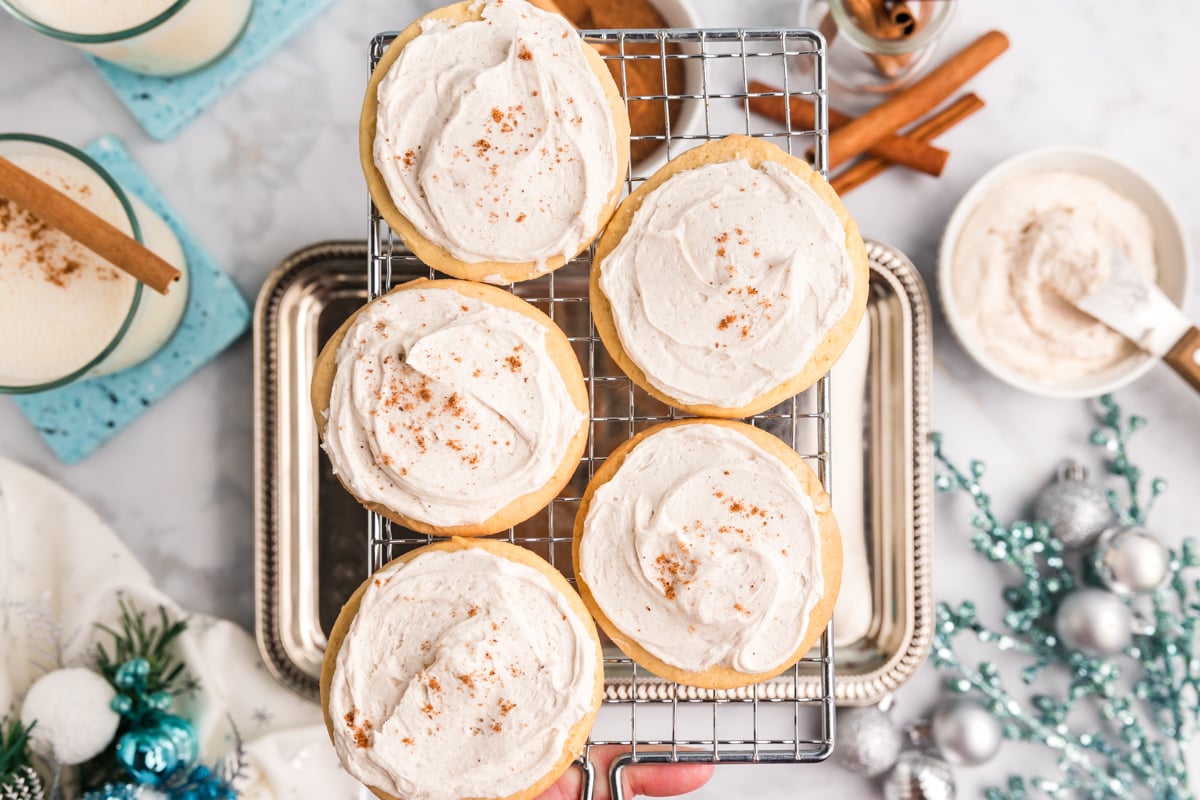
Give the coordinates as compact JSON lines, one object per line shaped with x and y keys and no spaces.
{"x":122,"y":791}
{"x":159,"y":701}
{"x":149,"y":755}
{"x":204,"y":784}
{"x":181,"y":734}
{"x":122,"y":704}
{"x":132,"y":674}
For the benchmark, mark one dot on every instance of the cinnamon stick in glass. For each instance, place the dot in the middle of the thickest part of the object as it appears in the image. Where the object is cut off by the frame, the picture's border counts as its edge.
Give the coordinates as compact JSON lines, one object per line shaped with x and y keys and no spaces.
{"x":930,"y":128}
{"x":64,"y":214}
{"x":916,"y":101}
{"x":908,"y":151}
{"x":887,"y":22}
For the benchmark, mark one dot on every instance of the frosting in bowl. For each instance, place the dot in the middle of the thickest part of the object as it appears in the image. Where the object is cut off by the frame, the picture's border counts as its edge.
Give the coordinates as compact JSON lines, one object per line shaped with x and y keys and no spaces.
{"x":461,"y":675}
{"x":446,"y":408}
{"x":727,"y":280}
{"x":1035,"y":243}
{"x":495,"y":138}
{"x":705,"y":549}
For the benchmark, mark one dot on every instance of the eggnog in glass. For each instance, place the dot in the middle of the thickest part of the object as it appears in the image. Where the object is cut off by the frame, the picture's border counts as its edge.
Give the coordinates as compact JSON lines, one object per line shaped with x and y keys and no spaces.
{"x":65,"y":312}
{"x":154,"y":37}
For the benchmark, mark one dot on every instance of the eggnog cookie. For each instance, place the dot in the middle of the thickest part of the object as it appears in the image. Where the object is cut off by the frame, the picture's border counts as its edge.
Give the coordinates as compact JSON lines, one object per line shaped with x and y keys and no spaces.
{"x":708,"y":552}
{"x":729,"y":281}
{"x":451,"y":407}
{"x":464,"y":669}
{"x":494,"y":141}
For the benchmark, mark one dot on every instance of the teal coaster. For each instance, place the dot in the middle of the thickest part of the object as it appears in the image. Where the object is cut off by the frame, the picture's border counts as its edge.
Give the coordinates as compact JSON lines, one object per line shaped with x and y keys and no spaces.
{"x":163,"y":106}
{"x":77,"y":418}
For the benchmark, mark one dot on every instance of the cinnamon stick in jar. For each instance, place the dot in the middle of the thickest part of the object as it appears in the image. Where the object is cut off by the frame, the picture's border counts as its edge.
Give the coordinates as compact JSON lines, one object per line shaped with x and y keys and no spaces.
{"x":887,"y":22}
{"x":908,"y":151}
{"x":910,"y":104}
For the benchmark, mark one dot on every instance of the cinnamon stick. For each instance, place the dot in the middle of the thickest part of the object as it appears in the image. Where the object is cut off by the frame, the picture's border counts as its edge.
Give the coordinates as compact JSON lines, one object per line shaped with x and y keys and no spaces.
{"x":62,"y":213}
{"x":884,"y":21}
{"x":914,"y":102}
{"x":900,"y":15}
{"x":897,"y":149}
{"x":931,"y":128}
{"x":876,"y":18}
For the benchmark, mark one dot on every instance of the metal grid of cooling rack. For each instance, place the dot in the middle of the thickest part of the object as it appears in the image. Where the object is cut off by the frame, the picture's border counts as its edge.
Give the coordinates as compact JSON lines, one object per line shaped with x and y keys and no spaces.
{"x":658,"y":721}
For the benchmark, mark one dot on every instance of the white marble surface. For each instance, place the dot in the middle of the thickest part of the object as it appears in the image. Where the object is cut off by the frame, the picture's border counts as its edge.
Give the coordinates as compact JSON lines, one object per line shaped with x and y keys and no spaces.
{"x":273,"y":167}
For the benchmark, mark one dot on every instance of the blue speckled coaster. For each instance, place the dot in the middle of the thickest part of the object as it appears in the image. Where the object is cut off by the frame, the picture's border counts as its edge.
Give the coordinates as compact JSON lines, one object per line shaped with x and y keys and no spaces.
{"x":163,"y":106}
{"x":77,"y":418}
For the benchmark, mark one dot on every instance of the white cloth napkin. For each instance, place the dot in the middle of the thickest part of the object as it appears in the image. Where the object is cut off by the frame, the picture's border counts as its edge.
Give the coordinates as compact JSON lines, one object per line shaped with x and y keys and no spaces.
{"x":61,"y":569}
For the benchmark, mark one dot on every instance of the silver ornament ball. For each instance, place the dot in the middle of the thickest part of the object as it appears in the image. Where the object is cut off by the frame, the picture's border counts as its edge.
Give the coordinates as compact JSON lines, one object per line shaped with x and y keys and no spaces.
{"x":1076,"y":510}
{"x":1132,"y":561}
{"x":868,"y":742}
{"x":1095,"y":622}
{"x":919,"y":776}
{"x":965,"y":732}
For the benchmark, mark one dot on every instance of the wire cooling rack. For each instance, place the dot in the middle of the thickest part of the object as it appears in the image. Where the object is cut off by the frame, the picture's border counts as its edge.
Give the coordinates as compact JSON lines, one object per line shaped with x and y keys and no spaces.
{"x":789,"y":719}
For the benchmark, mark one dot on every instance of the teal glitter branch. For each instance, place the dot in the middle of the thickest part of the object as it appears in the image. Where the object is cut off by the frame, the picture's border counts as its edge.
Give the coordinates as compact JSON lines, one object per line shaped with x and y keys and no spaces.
{"x":1113,"y":437}
{"x":1126,"y":758}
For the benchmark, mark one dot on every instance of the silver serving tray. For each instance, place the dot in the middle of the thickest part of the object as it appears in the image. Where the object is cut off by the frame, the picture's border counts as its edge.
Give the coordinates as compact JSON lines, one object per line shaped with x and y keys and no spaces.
{"x":310,"y":534}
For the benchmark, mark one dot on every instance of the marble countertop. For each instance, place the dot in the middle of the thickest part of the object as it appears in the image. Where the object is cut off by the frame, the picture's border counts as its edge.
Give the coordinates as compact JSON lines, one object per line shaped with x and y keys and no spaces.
{"x":273,"y":167}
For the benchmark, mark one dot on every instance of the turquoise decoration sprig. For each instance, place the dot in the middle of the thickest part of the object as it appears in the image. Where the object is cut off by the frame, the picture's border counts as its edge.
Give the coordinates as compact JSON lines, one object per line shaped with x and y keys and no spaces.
{"x":141,"y":663}
{"x":1112,"y":435}
{"x":137,"y":639}
{"x":1136,"y":751}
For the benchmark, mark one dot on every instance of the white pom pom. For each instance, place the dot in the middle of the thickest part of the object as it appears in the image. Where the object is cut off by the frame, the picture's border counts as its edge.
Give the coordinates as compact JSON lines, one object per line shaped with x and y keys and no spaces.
{"x":74,"y":716}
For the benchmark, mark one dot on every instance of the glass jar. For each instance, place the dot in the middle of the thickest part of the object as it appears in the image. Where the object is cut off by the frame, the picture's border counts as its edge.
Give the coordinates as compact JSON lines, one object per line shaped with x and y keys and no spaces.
{"x":184,"y":37}
{"x":862,"y":67}
{"x":64,"y":319}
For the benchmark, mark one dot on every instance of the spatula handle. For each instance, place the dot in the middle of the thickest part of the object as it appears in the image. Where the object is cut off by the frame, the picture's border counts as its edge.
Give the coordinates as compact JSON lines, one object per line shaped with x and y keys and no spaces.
{"x":1184,"y":357}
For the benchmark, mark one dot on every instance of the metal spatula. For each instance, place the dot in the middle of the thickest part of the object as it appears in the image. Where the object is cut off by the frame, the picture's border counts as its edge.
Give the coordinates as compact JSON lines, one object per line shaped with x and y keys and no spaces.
{"x":1136,"y":308}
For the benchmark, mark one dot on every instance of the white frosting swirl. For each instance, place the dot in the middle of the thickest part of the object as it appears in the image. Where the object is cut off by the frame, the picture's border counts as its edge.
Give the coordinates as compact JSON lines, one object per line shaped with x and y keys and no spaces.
{"x":1036,"y":243}
{"x":461,"y":676}
{"x":495,"y":137}
{"x":446,"y":408}
{"x":704,"y":549}
{"x":727,"y":280}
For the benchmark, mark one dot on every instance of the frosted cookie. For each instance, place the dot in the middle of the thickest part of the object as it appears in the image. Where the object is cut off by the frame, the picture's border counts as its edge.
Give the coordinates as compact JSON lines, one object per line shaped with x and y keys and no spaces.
{"x":729,"y":281}
{"x":708,"y":552}
{"x":467,"y":668}
{"x":494,"y":141}
{"x":451,"y":407}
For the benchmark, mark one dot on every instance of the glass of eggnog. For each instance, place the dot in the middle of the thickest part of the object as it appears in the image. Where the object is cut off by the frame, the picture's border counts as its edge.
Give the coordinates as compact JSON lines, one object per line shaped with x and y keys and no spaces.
{"x":154,"y":37}
{"x":65,"y":312}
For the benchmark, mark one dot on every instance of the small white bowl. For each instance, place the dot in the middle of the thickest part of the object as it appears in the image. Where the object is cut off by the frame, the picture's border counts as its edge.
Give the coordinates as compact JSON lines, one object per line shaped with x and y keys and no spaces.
{"x":1170,"y":250}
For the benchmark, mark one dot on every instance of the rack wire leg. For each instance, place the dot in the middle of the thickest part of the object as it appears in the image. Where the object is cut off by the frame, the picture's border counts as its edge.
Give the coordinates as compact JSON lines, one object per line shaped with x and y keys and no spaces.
{"x":615,"y":783}
{"x":587,"y":786}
